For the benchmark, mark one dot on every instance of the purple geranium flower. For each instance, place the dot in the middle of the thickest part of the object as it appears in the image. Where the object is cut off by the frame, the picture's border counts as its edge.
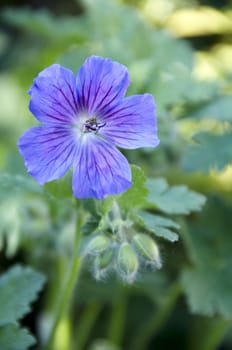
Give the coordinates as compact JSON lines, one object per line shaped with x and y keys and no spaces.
{"x":84,"y":117}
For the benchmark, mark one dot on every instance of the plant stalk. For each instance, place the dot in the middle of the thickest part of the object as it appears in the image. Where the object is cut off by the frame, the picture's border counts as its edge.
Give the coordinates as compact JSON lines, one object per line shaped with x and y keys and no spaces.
{"x":157,"y":320}
{"x":64,"y":298}
{"x":117,"y":319}
{"x":85,"y":324}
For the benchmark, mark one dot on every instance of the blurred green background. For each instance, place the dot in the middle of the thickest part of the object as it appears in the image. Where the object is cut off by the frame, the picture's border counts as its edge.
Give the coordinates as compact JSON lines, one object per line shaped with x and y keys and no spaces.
{"x":181,"y":52}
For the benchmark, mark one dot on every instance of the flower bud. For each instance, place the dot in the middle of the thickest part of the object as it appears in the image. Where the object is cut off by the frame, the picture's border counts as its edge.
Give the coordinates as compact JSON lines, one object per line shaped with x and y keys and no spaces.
{"x":147,"y":248}
{"x":98,"y":244}
{"x":102,"y":263}
{"x":127,"y":262}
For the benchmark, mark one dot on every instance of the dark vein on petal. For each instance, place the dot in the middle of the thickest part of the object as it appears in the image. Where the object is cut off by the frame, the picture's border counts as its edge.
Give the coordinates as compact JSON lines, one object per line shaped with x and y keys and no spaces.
{"x":53,"y":117}
{"x":109,"y":102}
{"x":58,"y":156}
{"x":64,"y":96}
{"x":116,"y":111}
{"x":83,"y":94}
{"x":96,"y":94}
{"x":88,"y":92}
{"x":88,"y":157}
{"x":103,"y":98}
{"x":119,"y":137}
{"x":49,"y":105}
{"x":59,"y":112}
{"x":73,"y":96}
{"x":63,"y":106}
{"x":67,"y":156}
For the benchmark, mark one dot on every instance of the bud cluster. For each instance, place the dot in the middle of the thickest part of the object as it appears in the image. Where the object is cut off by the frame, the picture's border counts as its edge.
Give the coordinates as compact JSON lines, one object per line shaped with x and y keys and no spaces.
{"x":125,"y":255}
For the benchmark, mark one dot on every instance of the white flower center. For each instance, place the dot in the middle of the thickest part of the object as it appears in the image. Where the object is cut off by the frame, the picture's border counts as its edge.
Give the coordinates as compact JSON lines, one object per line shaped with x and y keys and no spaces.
{"x":86,"y":125}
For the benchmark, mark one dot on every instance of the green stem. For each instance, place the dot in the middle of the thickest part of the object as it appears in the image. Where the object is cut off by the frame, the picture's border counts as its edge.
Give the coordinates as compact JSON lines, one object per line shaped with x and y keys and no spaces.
{"x":211,"y":332}
{"x":85,"y":324}
{"x":117,"y":320}
{"x":188,"y":242}
{"x":153,"y":325}
{"x":68,"y":287}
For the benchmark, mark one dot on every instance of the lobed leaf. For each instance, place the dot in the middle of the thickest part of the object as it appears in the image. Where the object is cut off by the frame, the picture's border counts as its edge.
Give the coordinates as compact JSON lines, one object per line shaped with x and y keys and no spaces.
{"x":173,"y":200}
{"x":208,"y":290}
{"x":19,"y":287}
{"x":219,"y":108}
{"x":12,"y":337}
{"x":136,"y":195}
{"x":210,"y":151}
{"x":185,"y":90}
{"x":208,"y":282}
{"x":160,"y":225}
{"x":61,"y":188}
{"x":16,"y":182}
{"x":42,"y":23}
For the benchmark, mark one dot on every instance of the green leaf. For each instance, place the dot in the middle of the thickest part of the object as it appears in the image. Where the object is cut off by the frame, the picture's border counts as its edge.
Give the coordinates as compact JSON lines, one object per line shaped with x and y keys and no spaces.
{"x":173,"y":200}
{"x":10,"y":224}
{"x":18,"y":183}
{"x":208,"y":282}
{"x":96,"y":213}
{"x":209,"y":290}
{"x":160,"y":225}
{"x":42,"y":23}
{"x":220,"y":108}
{"x":211,"y":151}
{"x":14,"y":338}
{"x":105,"y":205}
{"x":61,"y":188}
{"x":19,"y":287}
{"x":136,"y":195}
{"x":114,"y":16}
{"x":170,"y":90}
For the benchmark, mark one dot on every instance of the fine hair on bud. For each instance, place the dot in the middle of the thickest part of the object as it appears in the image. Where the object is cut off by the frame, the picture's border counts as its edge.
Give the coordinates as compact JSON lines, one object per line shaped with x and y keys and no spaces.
{"x":103,"y":263}
{"x":97,"y":244}
{"x":127,"y":263}
{"x":147,"y":249}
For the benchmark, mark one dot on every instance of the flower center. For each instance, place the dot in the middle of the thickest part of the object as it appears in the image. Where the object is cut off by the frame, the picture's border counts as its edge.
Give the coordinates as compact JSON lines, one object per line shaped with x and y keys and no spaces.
{"x":91,"y":125}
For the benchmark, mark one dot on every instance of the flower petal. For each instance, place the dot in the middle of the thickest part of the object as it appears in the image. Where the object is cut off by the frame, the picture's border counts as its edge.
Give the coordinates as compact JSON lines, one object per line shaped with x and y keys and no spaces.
{"x":53,"y":95}
{"x":48,"y":152}
{"x":99,"y":169}
{"x":132,"y":123}
{"x":101,"y":83}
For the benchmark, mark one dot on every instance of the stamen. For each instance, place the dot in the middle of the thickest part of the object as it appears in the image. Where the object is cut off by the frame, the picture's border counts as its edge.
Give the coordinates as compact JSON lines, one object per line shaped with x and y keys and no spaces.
{"x":91,"y":125}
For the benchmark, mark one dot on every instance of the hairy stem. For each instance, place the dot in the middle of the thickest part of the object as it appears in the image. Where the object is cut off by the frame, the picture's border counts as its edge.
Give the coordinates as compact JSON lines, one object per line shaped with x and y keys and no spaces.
{"x":188,"y":241}
{"x":153,"y":325}
{"x":85,"y":324}
{"x":211,"y":332}
{"x":64,"y":298}
{"x":117,"y":319}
